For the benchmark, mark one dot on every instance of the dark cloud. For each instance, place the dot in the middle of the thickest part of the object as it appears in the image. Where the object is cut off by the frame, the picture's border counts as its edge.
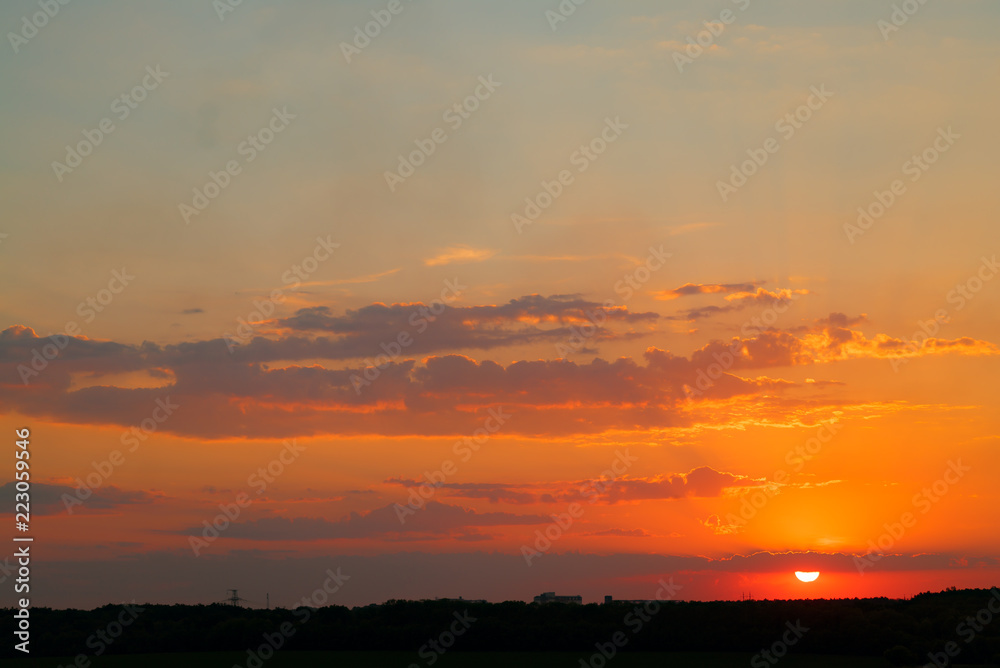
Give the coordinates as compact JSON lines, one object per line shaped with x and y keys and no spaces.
{"x":215,"y":394}
{"x":739,"y":301}
{"x":529,"y":319}
{"x":218,"y":395}
{"x":841,"y":320}
{"x":49,"y":499}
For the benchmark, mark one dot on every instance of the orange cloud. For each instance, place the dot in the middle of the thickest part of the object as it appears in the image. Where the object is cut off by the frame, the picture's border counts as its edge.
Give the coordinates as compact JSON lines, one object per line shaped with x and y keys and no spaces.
{"x":458,"y":254}
{"x":689,"y":289}
{"x":703,"y":481}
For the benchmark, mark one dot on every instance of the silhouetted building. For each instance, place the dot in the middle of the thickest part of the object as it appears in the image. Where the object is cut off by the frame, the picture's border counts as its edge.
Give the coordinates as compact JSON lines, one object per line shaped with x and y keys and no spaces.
{"x":550,"y":597}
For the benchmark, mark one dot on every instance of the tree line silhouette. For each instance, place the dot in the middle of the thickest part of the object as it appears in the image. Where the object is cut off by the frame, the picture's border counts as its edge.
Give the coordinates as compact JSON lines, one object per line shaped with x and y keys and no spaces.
{"x":903,"y":631}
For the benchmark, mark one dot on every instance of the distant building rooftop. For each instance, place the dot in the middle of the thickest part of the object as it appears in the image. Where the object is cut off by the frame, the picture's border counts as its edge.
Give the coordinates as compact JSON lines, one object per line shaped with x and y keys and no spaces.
{"x":550,"y":597}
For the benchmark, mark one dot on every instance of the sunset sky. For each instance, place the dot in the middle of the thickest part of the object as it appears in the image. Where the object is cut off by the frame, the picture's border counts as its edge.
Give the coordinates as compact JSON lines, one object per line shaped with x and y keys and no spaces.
{"x":395,"y":301}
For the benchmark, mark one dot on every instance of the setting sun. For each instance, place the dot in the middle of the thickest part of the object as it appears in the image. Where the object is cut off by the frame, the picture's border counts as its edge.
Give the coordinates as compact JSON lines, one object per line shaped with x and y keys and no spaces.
{"x":807,"y":577}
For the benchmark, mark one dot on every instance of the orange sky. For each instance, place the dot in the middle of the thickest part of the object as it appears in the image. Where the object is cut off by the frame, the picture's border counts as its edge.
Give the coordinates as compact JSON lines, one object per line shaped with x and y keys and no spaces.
{"x":623,"y":320}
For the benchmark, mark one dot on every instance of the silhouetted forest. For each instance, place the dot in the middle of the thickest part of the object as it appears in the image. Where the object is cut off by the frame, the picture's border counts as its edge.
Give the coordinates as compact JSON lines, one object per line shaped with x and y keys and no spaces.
{"x":904,"y":631}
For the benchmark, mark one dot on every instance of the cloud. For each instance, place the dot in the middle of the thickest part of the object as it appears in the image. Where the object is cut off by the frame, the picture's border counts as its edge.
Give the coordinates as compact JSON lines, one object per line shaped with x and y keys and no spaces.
{"x":741,"y":299}
{"x":823,"y":383}
{"x":571,"y":258}
{"x":829,"y":340}
{"x":492,"y":492}
{"x":48,"y":499}
{"x":223,"y":395}
{"x":435,"y":521}
{"x":700,"y":482}
{"x":624,"y":533}
{"x":369,"y":278}
{"x":842,"y":320}
{"x":459,"y":254}
{"x":689,"y":289}
{"x":609,"y":489}
{"x":430,"y":328}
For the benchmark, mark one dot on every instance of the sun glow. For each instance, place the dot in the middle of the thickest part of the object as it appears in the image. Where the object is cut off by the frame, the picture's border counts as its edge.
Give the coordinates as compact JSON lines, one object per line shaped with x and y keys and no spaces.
{"x":807,"y":577}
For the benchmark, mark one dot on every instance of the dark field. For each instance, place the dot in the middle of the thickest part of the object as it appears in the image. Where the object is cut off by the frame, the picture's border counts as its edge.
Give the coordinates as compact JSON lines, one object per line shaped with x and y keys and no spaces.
{"x":857,"y":633}
{"x":452,"y":660}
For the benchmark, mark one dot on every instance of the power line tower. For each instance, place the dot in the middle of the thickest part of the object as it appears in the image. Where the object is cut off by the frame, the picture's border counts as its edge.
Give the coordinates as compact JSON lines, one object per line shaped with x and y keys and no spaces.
{"x":234,"y":598}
